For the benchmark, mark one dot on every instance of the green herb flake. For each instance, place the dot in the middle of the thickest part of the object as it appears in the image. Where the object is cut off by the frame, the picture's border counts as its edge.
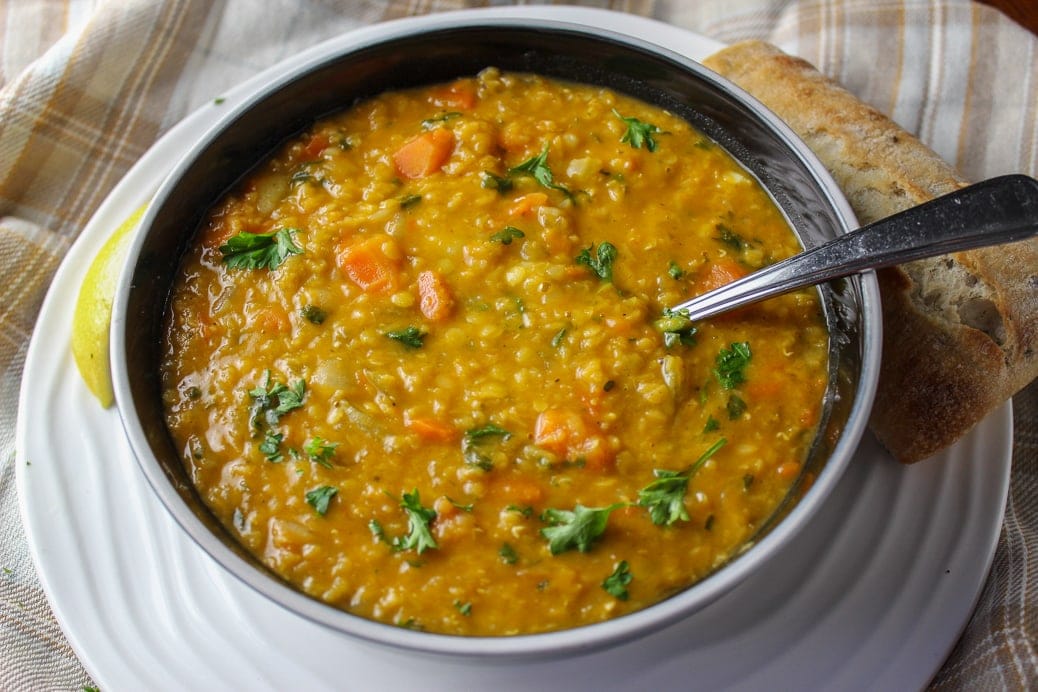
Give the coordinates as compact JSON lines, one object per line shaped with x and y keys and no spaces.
{"x":730,"y":238}
{"x":271,"y":400}
{"x":599,"y":261}
{"x":731,"y":363}
{"x":616,"y":583}
{"x":410,"y":337}
{"x":557,"y":339}
{"x":376,"y":530}
{"x":711,"y":424}
{"x":472,"y":440}
{"x":665,"y":496}
{"x":490,"y":181}
{"x":260,"y":250}
{"x":507,"y":554}
{"x":674,"y":271}
{"x":463,"y":608}
{"x":320,"y":451}
{"x":313,"y":314}
{"x":218,"y":101}
{"x":525,"y":510}
{"x":430,"y":123}
{"x":676,"y":327}
{"x":638,"y":133}
{"x":271,"y":446}
{"x":537,"y":167}
{"x":735,"y":407}
{"x":506,"y":235}
{"x":319,"y":498}
{"x":488,"y":430}
{"x":419,"y":536}
{"x":576,"y":529}
{"x":408,"y":201}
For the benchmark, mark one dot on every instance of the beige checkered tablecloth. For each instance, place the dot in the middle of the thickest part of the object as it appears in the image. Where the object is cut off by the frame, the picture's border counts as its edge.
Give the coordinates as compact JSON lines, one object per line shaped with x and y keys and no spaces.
{"x":87,"y":86}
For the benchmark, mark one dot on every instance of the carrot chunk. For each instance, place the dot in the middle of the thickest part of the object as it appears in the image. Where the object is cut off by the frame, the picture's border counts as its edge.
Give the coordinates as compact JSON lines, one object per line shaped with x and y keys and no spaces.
{"x":434,"y":296}
{"x":431,"y":429}
{"x":527,"y":203}
{"x":568,"y":435}
{"x":425,"y":154}
{"x":365,"y":263}
{"x":720,"y":273}
{"x":460,"y":95}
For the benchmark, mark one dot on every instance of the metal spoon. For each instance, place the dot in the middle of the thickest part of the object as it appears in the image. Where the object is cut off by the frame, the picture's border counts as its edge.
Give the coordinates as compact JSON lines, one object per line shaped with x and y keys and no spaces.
{"x":999,"y":210}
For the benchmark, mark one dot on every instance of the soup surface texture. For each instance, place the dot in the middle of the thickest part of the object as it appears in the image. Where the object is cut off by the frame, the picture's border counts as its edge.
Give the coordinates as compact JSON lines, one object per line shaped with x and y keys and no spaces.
{"x":419,"y":361}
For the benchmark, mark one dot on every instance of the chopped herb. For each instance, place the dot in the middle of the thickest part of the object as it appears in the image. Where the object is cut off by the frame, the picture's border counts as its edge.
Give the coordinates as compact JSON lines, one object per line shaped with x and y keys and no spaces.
{"x":219,"y":101}
{"x":488,"y":430}
{"x":674,"y":271}
{"x":638,"y":133}
{"x":609,"y":385}
{"x":411,"y":336}
{"x":709,"y":523}
{"x":8,"y":571}
{"x":525,"y":510}
{"x":463,"y":608}
{"x":677,"y":328}
{"x":463,"y":508}
{"x":410,"y":624}
{"x":319,"y":498}
{"x":320,"y":451}
{"x":538,"y":168}
{"x":711,"y":424}
{"x":302,"y":176}
{"x":508,"y":554}
{"x":616,"y":583}
{"x":271,"y":446}
{"x":557,"y":339}
{"x":600,"y":261}
{"x":576,"y":529}
{"x":730,"y":237}
{"x":470,"y":444}
{"x":313,"y":314}
{"x":506,"y":235}
{"x":665,"y":496}
{"x":736,"y":407}
{"x":272,"y":400}
{"x":731,"y":365}
{"x":408,"y":201}
{"x":430,"y":123}
{"x":491,"y":181}
{"x":376,"y":530}
{"x":418,"y":537}
{"x":260,"y":250}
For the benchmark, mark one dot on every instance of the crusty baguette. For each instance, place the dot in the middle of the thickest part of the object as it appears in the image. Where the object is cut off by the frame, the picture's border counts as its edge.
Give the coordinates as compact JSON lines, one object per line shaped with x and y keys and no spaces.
{"x":960,"y":331}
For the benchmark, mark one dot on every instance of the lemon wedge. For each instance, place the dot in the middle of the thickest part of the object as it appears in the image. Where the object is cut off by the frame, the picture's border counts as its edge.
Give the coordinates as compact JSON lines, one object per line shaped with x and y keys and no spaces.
{"x":92,"y":317}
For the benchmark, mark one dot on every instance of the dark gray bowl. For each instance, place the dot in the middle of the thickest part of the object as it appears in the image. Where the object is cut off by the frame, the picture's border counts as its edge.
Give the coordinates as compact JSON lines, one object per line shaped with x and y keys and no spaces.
{"x":414,"y":53}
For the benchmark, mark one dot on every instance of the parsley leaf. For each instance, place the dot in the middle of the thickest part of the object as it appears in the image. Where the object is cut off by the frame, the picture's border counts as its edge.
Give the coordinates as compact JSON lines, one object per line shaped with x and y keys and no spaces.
{"x":271,"y":446}
{"x":313,"y":314}
{"x":408,"y":201}
{"x":411,"y":336}
{"x":430,"y":123}
{"x":418,"y":537}
{"x":318,"y":498}
{"x":675,"y":271}
{"x":508,"y":554}
{"x":601,"y":262}
{"x":616,"y":583}
{"x":638,"y":133}
{"x":730,"y":237}
{"x":488,"y":430}
{"x":665,"y":496}
{"x":463,"y":608}
{"x":506,"y":235}
{"x":490,"y":181}
{"x":271,"y":400}
{"x":677,"y":328}
{"x":538,"y":168}
{"x":576,"y":529}
{"x":258,"y":250}
{"x":470,"y":445}
{"x":736,"y":407}
{"x":731,"y":365}
{"x":320,"y":451}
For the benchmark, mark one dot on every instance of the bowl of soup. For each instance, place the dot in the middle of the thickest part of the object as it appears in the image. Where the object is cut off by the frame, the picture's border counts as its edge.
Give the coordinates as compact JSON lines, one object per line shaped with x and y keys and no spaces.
{"x":395,"y":343}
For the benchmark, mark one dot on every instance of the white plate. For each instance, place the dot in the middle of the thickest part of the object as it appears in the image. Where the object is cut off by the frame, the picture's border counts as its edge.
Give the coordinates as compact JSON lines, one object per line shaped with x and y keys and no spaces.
{"x":872,"y":595}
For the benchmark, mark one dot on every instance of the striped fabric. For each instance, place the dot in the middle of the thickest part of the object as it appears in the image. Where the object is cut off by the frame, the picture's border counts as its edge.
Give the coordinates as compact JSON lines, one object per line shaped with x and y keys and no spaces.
{"x":87,"y":86}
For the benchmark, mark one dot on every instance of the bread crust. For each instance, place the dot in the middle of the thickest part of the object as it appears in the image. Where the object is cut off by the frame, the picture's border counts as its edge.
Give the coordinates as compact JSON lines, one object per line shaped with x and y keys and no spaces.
{"x":960,"y":331}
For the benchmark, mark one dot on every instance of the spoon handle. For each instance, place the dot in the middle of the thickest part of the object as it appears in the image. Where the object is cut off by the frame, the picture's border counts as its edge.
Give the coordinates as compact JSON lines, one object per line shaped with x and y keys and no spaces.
{"x":999,"y":210}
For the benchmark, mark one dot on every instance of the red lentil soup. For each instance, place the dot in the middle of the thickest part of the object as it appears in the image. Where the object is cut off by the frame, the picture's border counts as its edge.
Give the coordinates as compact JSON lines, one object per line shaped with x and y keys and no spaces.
{"x":420,"y":363}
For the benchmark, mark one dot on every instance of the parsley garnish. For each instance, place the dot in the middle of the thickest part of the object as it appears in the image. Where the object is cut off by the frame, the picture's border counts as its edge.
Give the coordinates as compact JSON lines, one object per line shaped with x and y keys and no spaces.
{"x":730,"y":237}
{"x":559,"y":336}
{"x":470,"y":445}
{"x":508,"y":554}
{"x":272,"y":400}
{"x":408,"y":201}
{"x":418,"y":537}
{"x":538,"y":168}
{"x":430,"y":123}
{"x":318,"y":498}
{"x":488,"y":430}
{"x":677,"y":328}
{"x":665,"y":496}
{"x":411,"y":336}
{"x":313,"y":314}
{"x":320,"y":451}
{"x":731,"y":365}
{"x":674,"y":271}
{"x":258,"y":250}
{"x":616,"y":583}
{"x":271,"y":446}
{"x":736,"y":407}
{"x":376,"y":530}
{"x":491,"y":181}
{"x":711,"y":424}
{"x":506,"y":235}
{"x":463,"y":608}
{"x":638,"y":133}
{"x":575,"y":529}
{"x":600,"y":261}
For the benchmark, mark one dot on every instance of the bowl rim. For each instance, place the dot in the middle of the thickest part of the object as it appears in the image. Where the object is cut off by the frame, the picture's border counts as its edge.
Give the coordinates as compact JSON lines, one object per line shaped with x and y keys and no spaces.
{"x":559,"y":643}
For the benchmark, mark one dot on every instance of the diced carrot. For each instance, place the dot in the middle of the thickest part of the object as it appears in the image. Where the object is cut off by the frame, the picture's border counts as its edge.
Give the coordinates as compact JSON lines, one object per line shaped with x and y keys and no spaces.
{"x":527,"y":203}
{"x":788,"y":470}
{"x":765,"y":387}
{"x":431,"y":429}
{"x":521,"y":492}
{"x":424,"y":154}
{"x":434,"y":295}
{"x":272,"y":320}
{"x":364,"y":261}
{"x":460,"y":95}
{"x":568,"y":435}
{"x":315,"y":146}
{"x":719,"y":273}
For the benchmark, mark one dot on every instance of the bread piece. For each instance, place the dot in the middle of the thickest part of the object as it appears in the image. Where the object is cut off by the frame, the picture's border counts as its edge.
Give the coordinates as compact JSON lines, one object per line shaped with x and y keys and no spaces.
{"x":961,"y":330}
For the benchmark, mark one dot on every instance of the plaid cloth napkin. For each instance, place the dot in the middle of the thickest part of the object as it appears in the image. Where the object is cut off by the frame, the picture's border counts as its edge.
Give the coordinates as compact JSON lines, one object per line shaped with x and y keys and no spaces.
{"x":87,"y":86}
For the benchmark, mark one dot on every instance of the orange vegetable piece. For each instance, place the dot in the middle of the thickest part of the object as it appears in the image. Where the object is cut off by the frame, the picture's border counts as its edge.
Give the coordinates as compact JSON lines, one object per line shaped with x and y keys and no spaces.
{"x":425,"y":154}
{"x":315,"y":146}
{"x":434,"y":295}
{"x":364,"y":261}
{"x":521,"y":492}
{"x":527,"y":203}
{"x":460,"y":95}
{"x":272,"y":320}
{"x":721,"y":272}
{"x":567,"y":434}
{"x":431,"y":429}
